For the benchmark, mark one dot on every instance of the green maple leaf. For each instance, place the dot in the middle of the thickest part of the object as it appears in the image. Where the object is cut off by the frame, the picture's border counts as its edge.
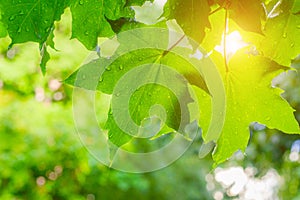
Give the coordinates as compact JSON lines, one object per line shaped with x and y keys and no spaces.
{"x":32,"y":20}
{"x":148,"y":95}
{"x":191,"y":15}
{"x":250,"y":98}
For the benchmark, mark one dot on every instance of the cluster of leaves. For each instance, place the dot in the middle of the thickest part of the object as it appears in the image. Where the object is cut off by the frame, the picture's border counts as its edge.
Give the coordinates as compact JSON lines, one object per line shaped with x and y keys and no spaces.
{"x":30,"y":171}
{"x":270,"y":27}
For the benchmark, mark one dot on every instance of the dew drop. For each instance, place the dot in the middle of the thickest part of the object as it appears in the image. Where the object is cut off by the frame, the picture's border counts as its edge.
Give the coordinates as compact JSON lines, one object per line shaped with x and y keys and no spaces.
{"x":101,"y":79}
{"x":19,"y":30}
{"x":108,"y":69}
{"x":12,"y":18}
{"x":21,"y":12}
{"x":81,"y":2}
{"x":292,"y":45}
{"x":27,"y":29}
{"x":117,"y":94}
{"x":121,"y":67}
{"x":284,"y":35}
{"x":140,"y":59}
{"x":86,"y":33}
{"x":268,"y":118}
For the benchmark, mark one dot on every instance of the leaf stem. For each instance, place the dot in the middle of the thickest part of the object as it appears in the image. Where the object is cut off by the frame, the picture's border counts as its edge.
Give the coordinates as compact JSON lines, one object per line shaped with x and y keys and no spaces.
{"x":224,"y":40}
{"x":174,"y":45}
{"x":169,"y":49}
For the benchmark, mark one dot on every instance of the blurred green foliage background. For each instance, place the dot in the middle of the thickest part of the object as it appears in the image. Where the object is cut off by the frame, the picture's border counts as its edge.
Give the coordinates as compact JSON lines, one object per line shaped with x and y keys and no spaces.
{"x":41,"y":156}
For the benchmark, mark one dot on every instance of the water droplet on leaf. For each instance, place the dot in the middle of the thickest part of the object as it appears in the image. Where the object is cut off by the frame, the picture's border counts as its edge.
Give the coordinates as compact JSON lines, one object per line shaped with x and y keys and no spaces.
{"x":121,"y":67}
{"x":81,"y":2}
{"x":12,"y":18}
{"x":86,"y":33}
{"x":108,"y":68}
{"x":284,"y":35}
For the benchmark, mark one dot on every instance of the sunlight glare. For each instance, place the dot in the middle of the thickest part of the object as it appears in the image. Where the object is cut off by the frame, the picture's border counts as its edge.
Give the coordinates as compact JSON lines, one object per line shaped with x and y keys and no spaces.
{"x":234,"y":42}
